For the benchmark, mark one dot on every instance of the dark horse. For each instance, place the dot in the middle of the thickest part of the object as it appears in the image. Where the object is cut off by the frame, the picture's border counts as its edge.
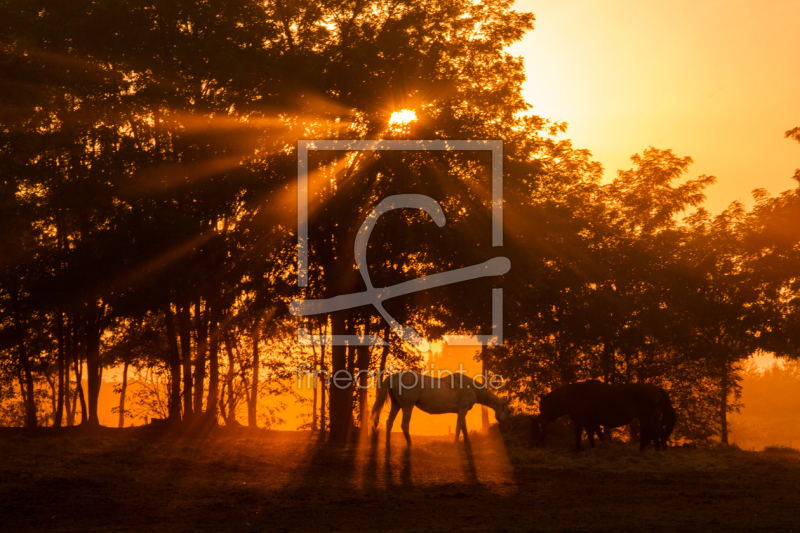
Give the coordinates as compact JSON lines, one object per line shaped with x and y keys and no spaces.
{"x":666,"y":424}
{"x":668,"y":416}
{"x":591,"y":404}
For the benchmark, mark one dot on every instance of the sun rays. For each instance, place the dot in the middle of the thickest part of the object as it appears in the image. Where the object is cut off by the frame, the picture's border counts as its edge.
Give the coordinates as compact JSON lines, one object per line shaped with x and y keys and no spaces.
{"x":400,"y":121}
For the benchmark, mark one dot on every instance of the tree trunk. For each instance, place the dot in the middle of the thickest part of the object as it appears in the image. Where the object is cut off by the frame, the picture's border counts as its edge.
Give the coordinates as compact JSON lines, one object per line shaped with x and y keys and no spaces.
{"x":628,"y":367}
{"x":341,"y":392}
{"x":94,"y":371}
{"x":723,"y":405}
{"x":566,"y":360}
{"x":351,"y":371}
{"x":384,"y":356}
{"x":323,"y":408}
{"x":362,"y":362}
{"x":73,"y":409}
{"x":79,"y":371}
{"x":485,"y":371}
{"x":30,"y":398}
{"x":51,"y":382}
{"x":122,"y":395}
{"x":213,"y":363}
{"x":23,"y":394}
{"x":174,"y":366}
{"x":68,"y":398}
{"x":221,"y":406}
{"x":231,"y":418}
{"x":351,"y":349}
{"x":607,"y":359}
{"x":185,"y":334}
{"x":61,"y":364}
{"x":314,"y":403}
{"x":25,"y":364}
{"x":314,"y":391}
{"x":201,"y":327}
{"x":255,"y":335}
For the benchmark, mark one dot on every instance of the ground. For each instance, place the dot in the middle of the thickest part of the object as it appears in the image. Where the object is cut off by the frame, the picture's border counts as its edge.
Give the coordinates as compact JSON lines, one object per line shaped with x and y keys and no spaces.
{"x":286,"y":481}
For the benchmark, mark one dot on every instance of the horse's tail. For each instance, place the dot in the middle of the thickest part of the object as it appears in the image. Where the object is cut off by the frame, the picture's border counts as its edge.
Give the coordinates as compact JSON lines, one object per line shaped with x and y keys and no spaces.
{"x":383,"y":392}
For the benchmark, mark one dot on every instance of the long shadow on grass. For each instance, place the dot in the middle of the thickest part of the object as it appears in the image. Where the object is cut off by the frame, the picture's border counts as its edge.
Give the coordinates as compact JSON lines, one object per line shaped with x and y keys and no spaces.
{"x":348,"y":487}
{"x":468,"y":463}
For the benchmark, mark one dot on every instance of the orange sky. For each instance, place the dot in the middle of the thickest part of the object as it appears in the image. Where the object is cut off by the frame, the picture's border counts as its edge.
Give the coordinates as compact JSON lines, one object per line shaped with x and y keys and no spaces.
{"x":716,"y":80}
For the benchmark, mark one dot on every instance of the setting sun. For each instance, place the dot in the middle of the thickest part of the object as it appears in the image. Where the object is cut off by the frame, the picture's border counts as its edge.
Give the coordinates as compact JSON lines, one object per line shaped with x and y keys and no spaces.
{"x":403,"y":117}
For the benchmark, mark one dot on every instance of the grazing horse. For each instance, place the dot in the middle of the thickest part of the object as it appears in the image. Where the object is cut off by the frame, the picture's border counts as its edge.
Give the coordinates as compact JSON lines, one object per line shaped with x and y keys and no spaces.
{"x":593,"y":403}
{"x":556,"y":402}
{"x":454,"y":394}
{"x":668,"y":416}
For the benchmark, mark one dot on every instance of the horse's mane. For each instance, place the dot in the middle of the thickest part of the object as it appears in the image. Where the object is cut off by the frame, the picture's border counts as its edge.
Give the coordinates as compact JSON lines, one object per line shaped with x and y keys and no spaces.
{"x":483,"y":395}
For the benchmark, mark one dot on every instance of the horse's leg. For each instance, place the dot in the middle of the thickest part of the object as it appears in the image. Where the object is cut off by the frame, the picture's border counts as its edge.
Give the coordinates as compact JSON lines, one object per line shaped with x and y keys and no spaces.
{"x":464,"y":426}
{"x":390,"y":421}
{"x":590,"y":434}
{"x":644,"y":436}
{"x":406,"y":422}
{"x":655,"y":432}
{"x":647,"y":433}
{"x":578,"y":433}
{"x":599,"y":431}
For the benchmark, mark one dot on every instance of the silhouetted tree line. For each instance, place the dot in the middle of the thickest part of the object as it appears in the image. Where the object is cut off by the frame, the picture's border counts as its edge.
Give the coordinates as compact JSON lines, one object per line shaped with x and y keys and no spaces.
{"x":148,"y":154}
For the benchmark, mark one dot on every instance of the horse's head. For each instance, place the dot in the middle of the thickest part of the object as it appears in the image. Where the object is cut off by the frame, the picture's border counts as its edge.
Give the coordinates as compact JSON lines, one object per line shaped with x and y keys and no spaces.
{"x":503,"y":412}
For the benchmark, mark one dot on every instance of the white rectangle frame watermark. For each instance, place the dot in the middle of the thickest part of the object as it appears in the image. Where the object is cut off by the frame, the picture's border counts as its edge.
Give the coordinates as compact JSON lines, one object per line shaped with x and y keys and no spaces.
{"x":493,"y":145}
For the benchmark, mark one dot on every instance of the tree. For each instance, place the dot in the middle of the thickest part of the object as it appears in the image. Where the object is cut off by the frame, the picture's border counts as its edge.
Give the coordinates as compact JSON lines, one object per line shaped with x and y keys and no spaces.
{"x":774,"y":242}
{"x":382,"y":62}
{"x":719,"y":311}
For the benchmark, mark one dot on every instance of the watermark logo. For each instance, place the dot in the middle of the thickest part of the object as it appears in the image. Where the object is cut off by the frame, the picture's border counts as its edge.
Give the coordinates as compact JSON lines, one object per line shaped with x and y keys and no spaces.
{"x":308,"y":378}
{"x":375,"y":296}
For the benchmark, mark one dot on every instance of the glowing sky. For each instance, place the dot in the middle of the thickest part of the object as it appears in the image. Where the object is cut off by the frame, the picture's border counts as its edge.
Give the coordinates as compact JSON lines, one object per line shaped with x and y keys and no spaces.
{"x":717,"y":80}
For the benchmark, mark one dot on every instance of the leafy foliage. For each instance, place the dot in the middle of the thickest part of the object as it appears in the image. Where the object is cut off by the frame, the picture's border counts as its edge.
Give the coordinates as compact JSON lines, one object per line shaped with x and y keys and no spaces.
{"x":147,"y":213}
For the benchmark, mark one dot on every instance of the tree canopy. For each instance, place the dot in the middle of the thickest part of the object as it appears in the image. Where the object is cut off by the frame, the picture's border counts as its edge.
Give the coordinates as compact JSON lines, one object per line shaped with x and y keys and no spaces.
{"x":148,"y":154}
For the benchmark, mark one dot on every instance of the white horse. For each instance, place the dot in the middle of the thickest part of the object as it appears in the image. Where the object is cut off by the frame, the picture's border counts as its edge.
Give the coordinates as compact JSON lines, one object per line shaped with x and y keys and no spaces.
{"x":454,"y":394}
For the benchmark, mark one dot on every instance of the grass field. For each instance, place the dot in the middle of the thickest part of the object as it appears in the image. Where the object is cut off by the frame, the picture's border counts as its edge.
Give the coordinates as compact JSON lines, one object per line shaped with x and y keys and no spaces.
{"x":285,"y":481}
